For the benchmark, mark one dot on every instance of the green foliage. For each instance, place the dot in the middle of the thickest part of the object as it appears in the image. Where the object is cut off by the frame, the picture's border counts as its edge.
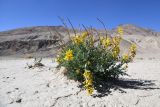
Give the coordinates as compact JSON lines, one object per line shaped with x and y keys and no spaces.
{"x":101,"y":57}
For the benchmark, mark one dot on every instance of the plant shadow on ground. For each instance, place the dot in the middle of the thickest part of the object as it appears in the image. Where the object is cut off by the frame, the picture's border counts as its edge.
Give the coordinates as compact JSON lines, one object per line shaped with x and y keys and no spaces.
{"x":104,"y":87}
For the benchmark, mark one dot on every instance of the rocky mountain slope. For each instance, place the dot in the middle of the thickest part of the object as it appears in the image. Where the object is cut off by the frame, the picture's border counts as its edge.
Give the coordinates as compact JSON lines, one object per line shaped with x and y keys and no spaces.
{"x":44,"y":40}
{"x":31,"y":40}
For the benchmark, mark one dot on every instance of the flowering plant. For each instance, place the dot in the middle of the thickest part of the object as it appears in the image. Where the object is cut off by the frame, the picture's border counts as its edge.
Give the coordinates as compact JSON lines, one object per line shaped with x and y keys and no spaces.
{"x":87,"y":59}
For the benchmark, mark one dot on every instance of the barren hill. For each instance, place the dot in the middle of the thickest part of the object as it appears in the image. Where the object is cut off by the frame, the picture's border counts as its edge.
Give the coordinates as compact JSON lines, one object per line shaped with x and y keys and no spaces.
{"x":40,"y":39}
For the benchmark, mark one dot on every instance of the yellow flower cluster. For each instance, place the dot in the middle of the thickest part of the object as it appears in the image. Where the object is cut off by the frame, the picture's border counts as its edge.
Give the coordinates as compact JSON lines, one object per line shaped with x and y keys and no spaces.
{"x":125,"y":57}
{"x":78,"y":39}
{"x":69,"y":55}
{"x":120,"y":31}
{"x":91,"y":40}
{"x":116,"y":40}
{"x":106,"y":42}
{"x":84,"y":35}
{"x":115,"y":51}
{"x":88,"y":81}
{"x":101,"y":38}
{"x":133,"y":50}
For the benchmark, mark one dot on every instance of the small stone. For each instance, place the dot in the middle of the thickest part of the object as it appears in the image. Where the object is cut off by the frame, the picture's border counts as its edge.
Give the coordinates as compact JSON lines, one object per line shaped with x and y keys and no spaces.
{"x":11,"y":102}
{"x":47,"y":85}
{"x":93,"y":105}
{"x":8,"y":92}
{"x":17,"y":88}
{"x":36,"y":92}
{"x":19,"y":100}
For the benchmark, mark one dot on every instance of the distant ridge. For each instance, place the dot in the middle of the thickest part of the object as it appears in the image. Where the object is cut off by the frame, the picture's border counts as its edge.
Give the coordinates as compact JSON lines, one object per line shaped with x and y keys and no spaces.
{"x":33,"y":29}
{"x":44,"y":40}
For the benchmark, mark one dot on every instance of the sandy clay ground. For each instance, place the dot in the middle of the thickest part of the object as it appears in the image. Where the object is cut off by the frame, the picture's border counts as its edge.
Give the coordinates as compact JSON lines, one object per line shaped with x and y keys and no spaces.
{"x":47,"y":87}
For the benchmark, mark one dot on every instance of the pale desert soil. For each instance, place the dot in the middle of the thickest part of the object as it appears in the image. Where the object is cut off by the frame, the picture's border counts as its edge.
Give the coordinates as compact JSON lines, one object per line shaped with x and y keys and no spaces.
{"x":46,"y":87}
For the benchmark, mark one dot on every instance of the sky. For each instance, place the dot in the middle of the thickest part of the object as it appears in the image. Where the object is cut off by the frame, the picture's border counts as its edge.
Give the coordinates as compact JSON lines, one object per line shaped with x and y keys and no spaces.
{"x":26,"y":13}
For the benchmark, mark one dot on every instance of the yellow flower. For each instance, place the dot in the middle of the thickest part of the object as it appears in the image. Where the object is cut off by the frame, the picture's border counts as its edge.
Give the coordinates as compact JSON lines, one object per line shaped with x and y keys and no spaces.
{"x":133,"y":50}
{"x":116,"y":51}
{"x":84,"y":35}
{"x":133,"y":47}
{"x":88,"y":81}
{"x":90,"y":90}
{"x":114,"y":54}
{"x":120,"y":31}
{"x":116,"y":40}
{"x":87,"y":74}
{"x":101,"y":39}
{"x":69,"y":55}
{"x":125,"y":57}
{"x":77,"y":39}
{"x":91,"y":40}
{"x":106,"y":42}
